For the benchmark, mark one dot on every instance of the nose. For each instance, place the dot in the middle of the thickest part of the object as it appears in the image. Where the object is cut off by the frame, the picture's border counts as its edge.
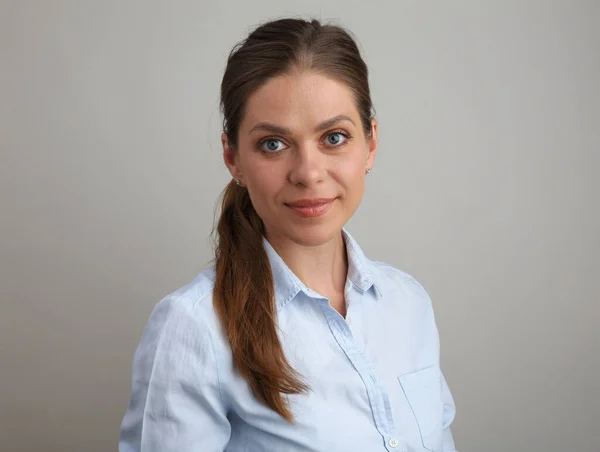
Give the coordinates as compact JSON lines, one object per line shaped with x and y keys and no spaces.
{"x":308,"y":166}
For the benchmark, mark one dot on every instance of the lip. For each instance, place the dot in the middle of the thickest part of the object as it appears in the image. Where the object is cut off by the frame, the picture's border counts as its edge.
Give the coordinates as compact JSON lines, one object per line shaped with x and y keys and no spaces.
{"x":310,"y":208}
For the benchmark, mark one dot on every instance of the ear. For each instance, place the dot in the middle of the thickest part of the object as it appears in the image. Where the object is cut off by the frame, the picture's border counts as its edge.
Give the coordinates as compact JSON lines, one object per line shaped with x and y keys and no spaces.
{"x":373,"y":143}
{"x":230,"y":157}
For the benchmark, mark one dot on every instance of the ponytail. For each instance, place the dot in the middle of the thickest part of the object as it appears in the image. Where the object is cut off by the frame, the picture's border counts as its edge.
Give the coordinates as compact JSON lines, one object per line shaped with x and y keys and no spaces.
{"x":244,"y":293}
{"x":244,"y":299}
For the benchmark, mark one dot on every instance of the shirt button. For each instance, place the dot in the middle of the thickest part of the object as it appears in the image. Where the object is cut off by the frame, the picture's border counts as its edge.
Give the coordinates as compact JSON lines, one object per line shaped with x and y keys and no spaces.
{"x":393,"y":442}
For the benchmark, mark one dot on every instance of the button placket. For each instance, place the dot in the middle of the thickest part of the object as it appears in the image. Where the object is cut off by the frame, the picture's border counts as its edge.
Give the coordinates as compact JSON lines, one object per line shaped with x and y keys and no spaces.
{"x":378,"y":399}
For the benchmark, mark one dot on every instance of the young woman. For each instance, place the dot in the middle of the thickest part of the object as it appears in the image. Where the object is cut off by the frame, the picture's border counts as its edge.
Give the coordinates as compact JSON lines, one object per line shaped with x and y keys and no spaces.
{"x":294,"y":340}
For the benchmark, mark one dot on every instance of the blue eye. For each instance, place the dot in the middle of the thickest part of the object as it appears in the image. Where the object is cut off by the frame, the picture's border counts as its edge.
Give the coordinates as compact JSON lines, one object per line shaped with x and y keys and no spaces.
{"x":338,"y":138}
{"x":334,"y":139}
{"x":271,"y":145}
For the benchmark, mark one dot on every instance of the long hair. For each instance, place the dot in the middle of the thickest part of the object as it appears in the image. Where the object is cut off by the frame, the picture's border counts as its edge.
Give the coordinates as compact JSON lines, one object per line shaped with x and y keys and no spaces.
{"x":244,"y":294}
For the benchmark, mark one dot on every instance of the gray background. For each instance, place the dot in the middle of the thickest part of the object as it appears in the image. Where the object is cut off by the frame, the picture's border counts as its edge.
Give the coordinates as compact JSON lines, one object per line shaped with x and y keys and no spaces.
{"x":484,"y":189}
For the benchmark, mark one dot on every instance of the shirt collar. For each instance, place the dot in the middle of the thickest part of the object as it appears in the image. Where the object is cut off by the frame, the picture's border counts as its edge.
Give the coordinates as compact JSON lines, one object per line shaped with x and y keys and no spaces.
{"x":361,"y":272}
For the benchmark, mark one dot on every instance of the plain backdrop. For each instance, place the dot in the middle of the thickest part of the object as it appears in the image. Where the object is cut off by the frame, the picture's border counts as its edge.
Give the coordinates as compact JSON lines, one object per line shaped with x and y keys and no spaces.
{"x":485,"y":189}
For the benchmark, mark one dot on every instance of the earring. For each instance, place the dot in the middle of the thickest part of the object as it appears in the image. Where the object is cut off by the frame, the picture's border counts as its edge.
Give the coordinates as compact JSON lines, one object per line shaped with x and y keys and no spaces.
{"x":237,"y":181}
{"x":368,"y":170}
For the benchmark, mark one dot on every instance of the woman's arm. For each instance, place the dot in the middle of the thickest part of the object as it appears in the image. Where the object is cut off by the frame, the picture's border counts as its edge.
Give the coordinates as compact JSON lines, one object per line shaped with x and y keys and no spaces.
{"x":176,"y":402}
{"x":449,"y":413}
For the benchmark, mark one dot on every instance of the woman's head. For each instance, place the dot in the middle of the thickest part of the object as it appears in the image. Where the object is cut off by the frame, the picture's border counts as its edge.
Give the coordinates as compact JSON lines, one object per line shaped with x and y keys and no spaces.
{"x":298,"y":126}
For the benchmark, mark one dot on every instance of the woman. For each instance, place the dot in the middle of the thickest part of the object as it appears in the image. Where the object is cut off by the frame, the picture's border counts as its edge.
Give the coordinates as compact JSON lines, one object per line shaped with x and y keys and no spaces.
{"x":294,"y":340}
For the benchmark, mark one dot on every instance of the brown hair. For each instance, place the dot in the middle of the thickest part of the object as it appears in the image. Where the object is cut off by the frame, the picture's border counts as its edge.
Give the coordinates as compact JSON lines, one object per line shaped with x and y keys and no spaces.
{"x":244,"y":295}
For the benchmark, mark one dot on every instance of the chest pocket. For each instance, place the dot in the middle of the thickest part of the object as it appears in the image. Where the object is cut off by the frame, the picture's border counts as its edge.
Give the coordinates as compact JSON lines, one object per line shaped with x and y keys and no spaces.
{"x":423,"y":391}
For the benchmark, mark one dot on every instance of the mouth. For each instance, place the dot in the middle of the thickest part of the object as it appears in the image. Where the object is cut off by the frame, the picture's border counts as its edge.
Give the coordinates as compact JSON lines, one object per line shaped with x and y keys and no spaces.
{"x":310,"y":208}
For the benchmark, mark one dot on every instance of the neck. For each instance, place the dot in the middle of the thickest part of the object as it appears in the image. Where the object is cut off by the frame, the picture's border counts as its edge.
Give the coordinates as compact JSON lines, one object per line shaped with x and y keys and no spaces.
{"x":322,"y":268}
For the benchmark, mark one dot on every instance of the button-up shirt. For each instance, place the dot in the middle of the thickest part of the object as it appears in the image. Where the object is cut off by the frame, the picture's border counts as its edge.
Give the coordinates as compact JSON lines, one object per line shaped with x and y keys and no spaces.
{"x":374,"y":376}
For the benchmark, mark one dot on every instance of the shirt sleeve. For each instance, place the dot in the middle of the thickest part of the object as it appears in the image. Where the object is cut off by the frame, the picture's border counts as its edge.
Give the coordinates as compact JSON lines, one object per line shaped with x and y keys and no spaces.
{"x":448,"y":417}
{"x":176,"y":402}
{"x":448,"y":401}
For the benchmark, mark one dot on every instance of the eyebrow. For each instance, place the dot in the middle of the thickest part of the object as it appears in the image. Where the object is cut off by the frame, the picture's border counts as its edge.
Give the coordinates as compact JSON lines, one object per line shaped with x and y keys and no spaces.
{"x":268,"y":127}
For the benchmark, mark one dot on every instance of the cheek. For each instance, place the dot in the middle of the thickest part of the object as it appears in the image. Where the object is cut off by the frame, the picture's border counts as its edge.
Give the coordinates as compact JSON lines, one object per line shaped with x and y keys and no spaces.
{"x":352,"y":170}
{"x":258,"y":174}
{"x":264,"y":185}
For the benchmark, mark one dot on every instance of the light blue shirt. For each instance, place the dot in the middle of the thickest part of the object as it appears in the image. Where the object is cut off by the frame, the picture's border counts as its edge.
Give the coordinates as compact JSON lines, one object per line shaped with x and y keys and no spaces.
{"x":375,"y":379}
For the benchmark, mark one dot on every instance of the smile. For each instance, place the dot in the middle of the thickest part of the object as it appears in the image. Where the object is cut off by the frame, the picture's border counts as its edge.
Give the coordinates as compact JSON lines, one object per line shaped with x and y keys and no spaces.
{"x":310,"y":208}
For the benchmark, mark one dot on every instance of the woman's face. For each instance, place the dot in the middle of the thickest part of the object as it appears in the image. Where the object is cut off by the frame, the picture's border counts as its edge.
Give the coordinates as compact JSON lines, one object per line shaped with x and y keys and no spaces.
{"x":302,"y":154}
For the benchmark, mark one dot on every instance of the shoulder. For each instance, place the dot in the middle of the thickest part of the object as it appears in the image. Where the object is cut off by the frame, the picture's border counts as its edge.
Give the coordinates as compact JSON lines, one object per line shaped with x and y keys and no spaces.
{"x":192,"y":300}
{"x":184,"y":319}
{"x":392,"y":278}
{"x":179,"y":350}
{"x":407,"y":304}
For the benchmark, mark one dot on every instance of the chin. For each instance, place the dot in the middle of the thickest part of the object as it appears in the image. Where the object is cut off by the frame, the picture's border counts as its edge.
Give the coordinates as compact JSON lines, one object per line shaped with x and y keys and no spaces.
{"x":313,"y":234}
{"x":308,"y":231}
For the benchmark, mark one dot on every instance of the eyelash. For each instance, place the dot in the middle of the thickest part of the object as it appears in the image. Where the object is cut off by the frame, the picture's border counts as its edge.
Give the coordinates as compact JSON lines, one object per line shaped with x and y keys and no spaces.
{"x":345,"y":134}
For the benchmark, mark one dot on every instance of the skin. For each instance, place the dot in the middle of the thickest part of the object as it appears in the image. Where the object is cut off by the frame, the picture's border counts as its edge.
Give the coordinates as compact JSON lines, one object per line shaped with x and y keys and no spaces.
{"x":304,"y":163}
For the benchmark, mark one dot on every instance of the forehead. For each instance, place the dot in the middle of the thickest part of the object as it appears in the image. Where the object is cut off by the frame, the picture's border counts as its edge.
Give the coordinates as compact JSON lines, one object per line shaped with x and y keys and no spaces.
{"x":298,"y":100}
